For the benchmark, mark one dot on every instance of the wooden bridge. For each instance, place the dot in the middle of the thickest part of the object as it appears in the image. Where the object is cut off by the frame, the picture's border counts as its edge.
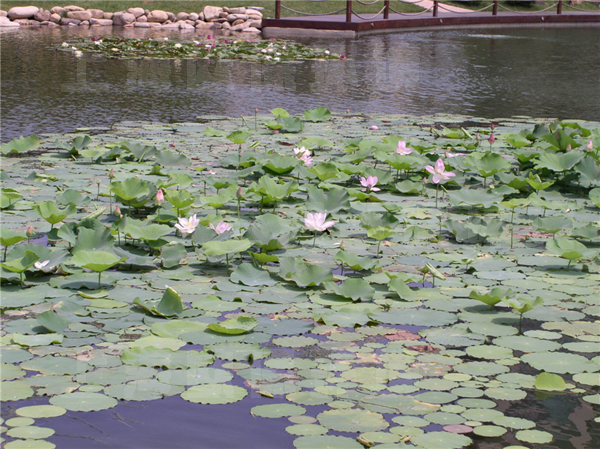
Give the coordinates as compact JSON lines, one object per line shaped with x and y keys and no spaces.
{"x":347,"y":22}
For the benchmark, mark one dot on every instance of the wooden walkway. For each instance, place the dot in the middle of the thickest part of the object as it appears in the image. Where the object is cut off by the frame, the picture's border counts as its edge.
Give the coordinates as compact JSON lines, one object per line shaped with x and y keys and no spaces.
{"x":339,"y":25}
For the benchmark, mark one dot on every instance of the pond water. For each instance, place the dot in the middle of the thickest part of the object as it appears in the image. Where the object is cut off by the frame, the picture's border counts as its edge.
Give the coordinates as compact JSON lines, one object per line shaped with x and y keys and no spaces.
{"x":484,"y":72}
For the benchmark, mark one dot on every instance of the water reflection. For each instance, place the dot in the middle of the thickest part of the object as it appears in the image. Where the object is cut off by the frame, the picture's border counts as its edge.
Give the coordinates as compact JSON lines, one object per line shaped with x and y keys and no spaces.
{"x":496,"y":72}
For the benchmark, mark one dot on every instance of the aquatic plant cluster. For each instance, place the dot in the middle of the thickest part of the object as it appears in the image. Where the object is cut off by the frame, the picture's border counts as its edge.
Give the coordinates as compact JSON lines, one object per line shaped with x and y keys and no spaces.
{"x":212,"y":47}
{"x":415,"y":276}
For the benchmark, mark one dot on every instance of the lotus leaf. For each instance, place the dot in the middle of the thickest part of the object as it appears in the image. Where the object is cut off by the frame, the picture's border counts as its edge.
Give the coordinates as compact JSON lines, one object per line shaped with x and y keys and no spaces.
{"x":214,"y":394}
{"x":83,"y":402}
{"x":234,"y":326}
{"x":21,"y":145}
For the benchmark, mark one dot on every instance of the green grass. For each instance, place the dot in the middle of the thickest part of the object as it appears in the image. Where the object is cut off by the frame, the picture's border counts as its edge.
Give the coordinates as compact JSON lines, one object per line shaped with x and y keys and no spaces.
{"x":197,"y":6}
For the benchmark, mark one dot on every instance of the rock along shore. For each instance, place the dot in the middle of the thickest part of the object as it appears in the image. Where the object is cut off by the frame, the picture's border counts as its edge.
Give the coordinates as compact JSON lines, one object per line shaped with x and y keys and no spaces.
{"x":243,"y":19}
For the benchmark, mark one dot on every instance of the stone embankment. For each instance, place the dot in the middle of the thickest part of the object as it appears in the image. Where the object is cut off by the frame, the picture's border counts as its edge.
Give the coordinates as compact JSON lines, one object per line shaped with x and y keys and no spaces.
{"x":242,"y":19}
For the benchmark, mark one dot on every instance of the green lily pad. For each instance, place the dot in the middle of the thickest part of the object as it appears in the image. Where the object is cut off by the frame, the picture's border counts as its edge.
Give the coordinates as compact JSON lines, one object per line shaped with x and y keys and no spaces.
{"x":84,"y":402}
{"x":214,"y":394}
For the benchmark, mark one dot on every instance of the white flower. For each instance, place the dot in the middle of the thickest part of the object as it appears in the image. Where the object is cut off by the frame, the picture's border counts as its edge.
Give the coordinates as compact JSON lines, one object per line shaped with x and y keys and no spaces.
{"x":277,"y":59}
{"x":196,"y":42}
{"x":208,"y":46}
{"x":220,"y":228}
{"x":97,"y":42}
{"x":42,"y":266}
{"x":177,"y":45}
{"x":78,"y":54}
{"x":326,"y":52}
{"x":187,"y":225}
{"x":64,"y":44}
{"x":114,"y":49}
{"x":166,"y":39}
{"x":316,"y":222}
{"x":74,"y":48}
{"x":267,"y":57}
{"x":264,"y":50}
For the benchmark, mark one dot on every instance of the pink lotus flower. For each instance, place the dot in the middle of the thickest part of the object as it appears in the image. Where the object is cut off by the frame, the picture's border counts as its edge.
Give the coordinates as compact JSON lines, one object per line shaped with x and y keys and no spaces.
{"x":316,"y":222}
{"x":491,"y":139}
{"x":306,"y":159}
{"x":220,"y":228}
{"x":402,"y":149}
{"x":187,"y":225}
{"x":589,"y":146}
{"x":373,"y":127}
{"x":439,"y":172}
{"x":454,"y":155}
{"x":160,"y":197}
{"x":369,"y":184}
{"x":42,"y":266}
{"x":300,"y":151}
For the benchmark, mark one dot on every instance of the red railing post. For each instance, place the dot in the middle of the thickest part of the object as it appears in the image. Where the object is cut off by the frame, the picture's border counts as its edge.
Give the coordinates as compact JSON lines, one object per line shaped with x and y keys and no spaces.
{"x":278,"y":9}
{"x":495,"y":8}
{"x":386,"y":9}
{"x":348,"y":11}
{"x":435,"y":8}
{"x":559,"y":7}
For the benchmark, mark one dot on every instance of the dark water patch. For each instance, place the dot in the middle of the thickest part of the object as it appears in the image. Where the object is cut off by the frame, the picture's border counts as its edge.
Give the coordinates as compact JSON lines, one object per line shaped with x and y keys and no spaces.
{"x":416,"y":72}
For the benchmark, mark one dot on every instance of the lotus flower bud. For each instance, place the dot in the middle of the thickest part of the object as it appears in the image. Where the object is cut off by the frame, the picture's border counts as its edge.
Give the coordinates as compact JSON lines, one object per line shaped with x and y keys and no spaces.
{"x":373,"y":127}
{"x":160,"y":198}
{"x":111,"y":174}
{"x":492,"y":126}
{"x":98,"y":181}
{"x":492,"y":138}
{"x":118,"y":212}
{"x":30,"y":232}
{"x":589,"y":146}
{"x":569,"y":147}
{"x":239,"y":194}
{"x":255,"y":109}
{"x":342,"y":245}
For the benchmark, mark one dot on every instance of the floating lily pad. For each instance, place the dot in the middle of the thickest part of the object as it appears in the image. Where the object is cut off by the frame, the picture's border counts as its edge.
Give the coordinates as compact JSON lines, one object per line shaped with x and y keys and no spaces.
{"x":215,"y":394}
{"x":83,"y":402}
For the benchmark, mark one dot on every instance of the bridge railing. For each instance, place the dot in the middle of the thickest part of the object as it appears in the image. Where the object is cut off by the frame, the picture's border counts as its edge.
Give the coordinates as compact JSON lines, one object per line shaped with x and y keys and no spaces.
{"x":429,"y":6}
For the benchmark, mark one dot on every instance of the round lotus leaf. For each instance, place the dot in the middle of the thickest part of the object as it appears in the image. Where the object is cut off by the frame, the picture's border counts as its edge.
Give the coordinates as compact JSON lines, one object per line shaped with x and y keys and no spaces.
{"x":84,"y":402}
{"x":526,"y":344}
{"x":467,"y":392}
{"x":544,"y":335}
{"x":369,"y":375}
{"x":285,"y":327}
{"x":457,"y":377}
{"x":458,"y":428}
{"x":214,"y":394}
{"x":386,"y":403}
{"x":436,"y":384}
{"x":453,"y":408}
{"x":91,"y":388}
{"x":259,"y":375}
{"x":560,"y":363}
{"x":444,"y":418}
{"x":10,"y":372}
{"x":41,"y":411}
{"x":19,"y":422}
{"x":306,"y":429}
{"x":476,"y":403}
{"x":195,"y":376}
{"x":326,"y":442}
{"x":158,"y":342}
{"x":482,"y":414}
{"x":309,"y":398}
{"x":30,"y":432}
{"x":119,"y":375}
{"x":581,"y":346}
{"x":174,"y":328}
{"x":352,"y":420}
{"x":381,"y":437}
{"x":489,"y":431}
{"x":331,"y":390}
{"x":403,"y":389}
{"x":514,"y":423}
{"x":295,"y":342}
{"x":146,"y":356}
{"x":341,"y":404}
{"x":142,"y":390}
{"x":481,"y":368}
{"x":489,"y":352}
{"x":406,"y":431}
{"x":587,"y":379}
{"x":492,"y":329}
{"x":279,"y":388}
{"x":441,"y":440}
{"x":410,"y":421}
{"x":15,"y":390}
{"x":277,"y":410}
{"x":302,"y":419}
{"x":415,"y":317}
{"x":289,"y":363}
{"x":30,"y":444}
{"x":592,"y":399}
{"x":238,"y":351}
{"x":13,"y":355}
{"x":56,"y":366}
{"x":436,"y":397}
{"x":534,"y":436}
{"x":523,"y":380}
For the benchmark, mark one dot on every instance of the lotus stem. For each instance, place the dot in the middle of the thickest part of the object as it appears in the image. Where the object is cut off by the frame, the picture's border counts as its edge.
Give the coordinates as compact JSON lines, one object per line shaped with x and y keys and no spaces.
{"x":21,"y":278}
{"x":315,"y":239}
{"x":520,"y":324}
{"x":158,"y":212}
{"x":227,"y":262}
{"x":437,"y":190}
{"x":238,"y":208}
{"x":378,"y":245}
{"x":6,"y":250}
{"x":99,"y":280}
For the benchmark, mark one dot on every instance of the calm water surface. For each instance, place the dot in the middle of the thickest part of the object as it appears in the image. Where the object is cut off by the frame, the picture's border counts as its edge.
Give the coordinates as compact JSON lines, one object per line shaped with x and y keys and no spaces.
{"x":485,"y":72}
